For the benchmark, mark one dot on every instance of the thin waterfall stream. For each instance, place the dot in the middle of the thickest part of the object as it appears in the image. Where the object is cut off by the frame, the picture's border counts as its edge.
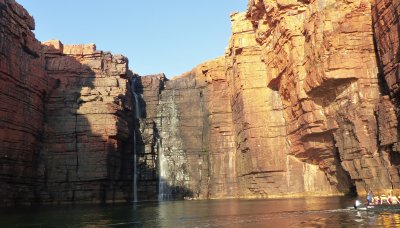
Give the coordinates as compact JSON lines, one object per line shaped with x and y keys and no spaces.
{"x":135,"y":119}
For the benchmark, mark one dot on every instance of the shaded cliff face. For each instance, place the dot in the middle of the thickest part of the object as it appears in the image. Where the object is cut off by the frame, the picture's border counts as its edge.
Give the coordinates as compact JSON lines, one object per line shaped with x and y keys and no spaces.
{"x":147,"y":143}
{"x":386,"y":33}
{"x":182,"y":121}
{"x":86,"y":152}
{"x":23,"y":89}
{"x":187,"y":135}
{"x":387,"y":37}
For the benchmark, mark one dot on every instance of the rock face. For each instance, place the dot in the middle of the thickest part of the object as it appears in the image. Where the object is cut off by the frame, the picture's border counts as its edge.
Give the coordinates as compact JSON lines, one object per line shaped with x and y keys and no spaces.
{"x":223,"y":174}
{"x":266,"y":165}
{"x":387,"y":37}
{"x":386,"y":26}
{"x":182,"y":122}
{"x":23,"y":90}
{"x":304,"y":102}
{"x":66,"y":118}
{"x":147,"y":146}
{"x":294,"y":108}
{"x":87,"y":148}
{"x":320,"y":59}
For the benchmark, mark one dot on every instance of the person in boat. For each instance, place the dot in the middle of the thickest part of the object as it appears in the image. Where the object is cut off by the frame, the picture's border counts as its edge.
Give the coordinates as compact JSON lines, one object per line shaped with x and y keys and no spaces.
{"x":390,"y":198}
{"x":384,"y":199}
{"x":369,"y":198}
{"x":376,"y":200}
{"x":393,"y":199}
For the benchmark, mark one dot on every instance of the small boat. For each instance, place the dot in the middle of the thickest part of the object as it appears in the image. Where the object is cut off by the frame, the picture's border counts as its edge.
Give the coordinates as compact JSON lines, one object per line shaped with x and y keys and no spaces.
{"x":379,"y":207}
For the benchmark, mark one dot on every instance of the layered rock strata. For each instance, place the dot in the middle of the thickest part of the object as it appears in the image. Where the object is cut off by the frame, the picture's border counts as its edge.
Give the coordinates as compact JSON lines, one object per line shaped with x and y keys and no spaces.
{"x":386,"y":33}
{"x":304,"y":102}
{"x":223,"y":180}
{"x":189,"y":130}
{"x":23,"y":90}
{"x":182,"y":122}
{"x":387,"y":38}
{"x":66,"y":118}
{"x":319,"y":58}
{"x":266,"y":166}
{"x":87,"y":143}
{"x":303,"y":105}
{"x":147,"y":146}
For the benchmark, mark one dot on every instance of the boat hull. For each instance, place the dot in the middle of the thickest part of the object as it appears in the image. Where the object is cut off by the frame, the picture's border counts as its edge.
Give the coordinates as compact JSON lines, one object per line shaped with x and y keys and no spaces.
{"x":383,"y":207}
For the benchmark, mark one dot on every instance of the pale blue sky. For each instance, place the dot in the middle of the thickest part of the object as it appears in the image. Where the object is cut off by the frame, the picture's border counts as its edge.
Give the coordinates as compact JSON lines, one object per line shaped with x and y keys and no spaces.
{"x":170,"y":36}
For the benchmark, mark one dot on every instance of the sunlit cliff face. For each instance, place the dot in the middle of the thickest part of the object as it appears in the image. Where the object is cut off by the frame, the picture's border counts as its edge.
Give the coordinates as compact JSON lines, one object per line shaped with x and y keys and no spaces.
{"x":320,"y":57}
{"x":267,"y":165}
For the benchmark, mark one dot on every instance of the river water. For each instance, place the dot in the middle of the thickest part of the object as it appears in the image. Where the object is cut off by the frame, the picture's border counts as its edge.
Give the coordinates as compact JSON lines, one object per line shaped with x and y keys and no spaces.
{"x":301,"y":212}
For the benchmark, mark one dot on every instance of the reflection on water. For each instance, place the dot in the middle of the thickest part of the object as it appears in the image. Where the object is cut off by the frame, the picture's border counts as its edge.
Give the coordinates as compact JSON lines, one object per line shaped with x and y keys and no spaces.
{"x":304,"y":212}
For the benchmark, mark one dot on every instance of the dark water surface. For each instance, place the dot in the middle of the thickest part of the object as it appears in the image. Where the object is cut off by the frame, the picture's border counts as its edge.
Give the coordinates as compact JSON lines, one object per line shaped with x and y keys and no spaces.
{"x":303,"y":212}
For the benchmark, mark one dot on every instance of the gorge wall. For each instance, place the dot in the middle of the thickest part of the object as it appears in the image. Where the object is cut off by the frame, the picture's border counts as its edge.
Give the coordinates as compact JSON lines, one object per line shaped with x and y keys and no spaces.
{"x":86,"y":148}
{"x":387,"y":38}
{"x":66,"y":118}
{"x":305,"y":101}
{"x":23,"y":90}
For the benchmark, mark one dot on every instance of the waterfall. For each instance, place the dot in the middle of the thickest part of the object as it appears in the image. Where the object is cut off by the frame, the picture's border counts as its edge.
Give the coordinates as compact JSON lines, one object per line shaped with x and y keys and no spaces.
{"x":135,"y":198}
{"x":168,"y":146}
{"x":135,"y":118}
{"x":164,"y":192}
{"x":137,"y":108}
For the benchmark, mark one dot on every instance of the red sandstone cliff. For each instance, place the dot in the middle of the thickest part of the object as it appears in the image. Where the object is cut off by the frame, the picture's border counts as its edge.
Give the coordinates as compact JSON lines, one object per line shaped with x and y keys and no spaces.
{"x":320,"y":58}
{"x":86,"y":153}
{"x":66,"y":118}
{"x":23,"y":87}
{"x":304,"y":102}
{"x":301,"y":102}
{"x":387,"y":37}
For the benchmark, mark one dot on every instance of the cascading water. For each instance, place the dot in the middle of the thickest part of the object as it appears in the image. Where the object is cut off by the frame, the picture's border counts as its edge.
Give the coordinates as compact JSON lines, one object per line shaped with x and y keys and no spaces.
{"x":137,"y":108}
{"x":166,"y":146}
{"x":164,"y":192}
{"x":136,"y":117}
